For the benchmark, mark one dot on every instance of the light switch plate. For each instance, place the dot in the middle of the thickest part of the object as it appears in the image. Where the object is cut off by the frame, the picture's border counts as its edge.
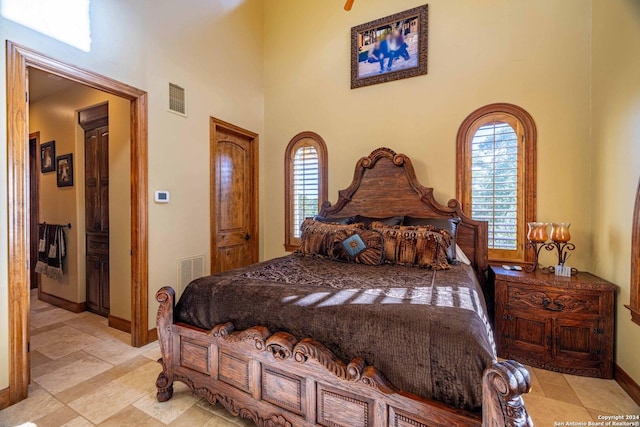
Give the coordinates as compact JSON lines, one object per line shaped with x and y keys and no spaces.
{"x":162,"y":196}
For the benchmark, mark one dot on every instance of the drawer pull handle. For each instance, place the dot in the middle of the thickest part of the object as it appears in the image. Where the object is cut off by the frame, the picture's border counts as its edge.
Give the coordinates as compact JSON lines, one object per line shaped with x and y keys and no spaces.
{"x":557,"y":306}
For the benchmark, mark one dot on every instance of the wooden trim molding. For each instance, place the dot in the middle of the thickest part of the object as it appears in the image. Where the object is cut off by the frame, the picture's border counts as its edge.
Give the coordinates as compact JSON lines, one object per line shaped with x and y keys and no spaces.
{"x":153,"y":334}
{"x":634,"y":305}
{"x":120,"y":324}
{"x":75,"y":307}
{"x":303,"y":139}
{"x":19,"y":60}
{"x":530,"y":152}
{"x":4,"y":398}
{"x":627,"y":383}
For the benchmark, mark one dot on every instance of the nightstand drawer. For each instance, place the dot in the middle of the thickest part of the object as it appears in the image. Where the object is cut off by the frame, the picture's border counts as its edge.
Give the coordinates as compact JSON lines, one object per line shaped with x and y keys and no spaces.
{"x":584,"y":302}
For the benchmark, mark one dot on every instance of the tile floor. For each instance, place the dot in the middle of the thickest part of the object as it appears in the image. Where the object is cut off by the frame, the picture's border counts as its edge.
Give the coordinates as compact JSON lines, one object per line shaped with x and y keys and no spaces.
{"x":85,"y":373}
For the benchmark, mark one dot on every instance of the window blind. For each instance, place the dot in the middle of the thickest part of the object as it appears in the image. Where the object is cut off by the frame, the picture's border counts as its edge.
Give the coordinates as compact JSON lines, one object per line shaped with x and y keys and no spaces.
{"x":494,"y":182}
{"x":306,"y":186}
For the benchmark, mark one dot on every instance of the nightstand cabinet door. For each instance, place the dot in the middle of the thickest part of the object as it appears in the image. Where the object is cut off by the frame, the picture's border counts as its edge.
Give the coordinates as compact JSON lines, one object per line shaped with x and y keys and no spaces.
{"x":523,"y":335}
{"x":560,"y":324}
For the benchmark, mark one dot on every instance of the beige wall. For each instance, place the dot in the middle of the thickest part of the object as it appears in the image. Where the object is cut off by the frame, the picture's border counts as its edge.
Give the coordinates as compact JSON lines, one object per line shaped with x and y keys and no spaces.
{"x":56,"y":118}
{"x":616,"y":157}
{"x":214,"y":50}
{"x":535,"y":54}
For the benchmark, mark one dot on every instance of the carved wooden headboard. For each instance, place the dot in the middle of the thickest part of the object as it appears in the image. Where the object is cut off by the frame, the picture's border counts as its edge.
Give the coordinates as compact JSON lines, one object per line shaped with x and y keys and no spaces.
{"x":385,"y":184}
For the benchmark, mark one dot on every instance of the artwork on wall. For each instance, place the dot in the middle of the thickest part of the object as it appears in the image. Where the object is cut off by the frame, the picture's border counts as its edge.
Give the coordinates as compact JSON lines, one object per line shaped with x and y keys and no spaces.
{"x":390,"y":48}
{"x":48,"y":156}
{"x":65,"y":170}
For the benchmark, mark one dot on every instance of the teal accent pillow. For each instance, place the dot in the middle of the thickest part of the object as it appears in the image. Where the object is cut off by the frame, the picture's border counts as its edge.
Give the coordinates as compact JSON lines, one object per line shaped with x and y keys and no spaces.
{"x":354,"y":245}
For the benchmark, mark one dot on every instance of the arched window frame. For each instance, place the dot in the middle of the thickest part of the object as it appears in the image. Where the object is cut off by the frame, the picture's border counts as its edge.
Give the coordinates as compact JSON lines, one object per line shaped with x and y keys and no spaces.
{"x":469,"y":126}
{"x":303,"y":139}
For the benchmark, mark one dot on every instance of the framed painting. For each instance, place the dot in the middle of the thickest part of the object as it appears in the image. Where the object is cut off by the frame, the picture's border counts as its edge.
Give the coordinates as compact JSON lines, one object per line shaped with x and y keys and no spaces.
{"x":48,"y":157}
{"x":64,"y":166}
{"x":390,"y":48}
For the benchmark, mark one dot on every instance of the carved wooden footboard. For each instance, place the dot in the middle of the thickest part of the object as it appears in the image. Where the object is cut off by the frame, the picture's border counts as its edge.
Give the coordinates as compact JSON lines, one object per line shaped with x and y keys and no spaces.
{"x":278,"y":380}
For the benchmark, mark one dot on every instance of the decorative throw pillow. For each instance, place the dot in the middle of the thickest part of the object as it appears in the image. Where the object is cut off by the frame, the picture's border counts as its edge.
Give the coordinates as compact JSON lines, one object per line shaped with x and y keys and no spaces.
{"x":367,"y":220}
{"x":344,"y":220}
{"x":448,"y":224}
{"x":424,"y":246}
{"x":317,"y":237}
{"x":361,"y":246}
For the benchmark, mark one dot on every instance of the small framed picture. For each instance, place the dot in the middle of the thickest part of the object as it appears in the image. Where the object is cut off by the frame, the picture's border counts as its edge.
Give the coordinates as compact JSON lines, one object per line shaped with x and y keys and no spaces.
{"x":64,"y":169}
{"x":390,"y":48}
{"x":48,"y":157}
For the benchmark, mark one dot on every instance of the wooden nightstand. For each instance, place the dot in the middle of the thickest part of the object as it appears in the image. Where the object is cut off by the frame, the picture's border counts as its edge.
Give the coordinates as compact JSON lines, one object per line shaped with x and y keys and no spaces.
{"x":557,"y":323}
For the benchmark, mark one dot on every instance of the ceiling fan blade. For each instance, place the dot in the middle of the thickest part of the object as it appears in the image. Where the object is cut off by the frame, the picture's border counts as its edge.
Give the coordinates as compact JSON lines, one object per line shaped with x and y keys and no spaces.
{"x":348,"y":5}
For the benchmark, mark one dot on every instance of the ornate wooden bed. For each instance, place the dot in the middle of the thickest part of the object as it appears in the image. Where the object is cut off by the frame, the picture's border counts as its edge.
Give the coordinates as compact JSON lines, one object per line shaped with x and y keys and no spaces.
{"x":276,"y":379}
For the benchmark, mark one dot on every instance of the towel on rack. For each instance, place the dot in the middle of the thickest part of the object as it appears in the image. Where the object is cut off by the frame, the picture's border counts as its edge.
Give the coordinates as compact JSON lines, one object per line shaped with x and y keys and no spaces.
{"x":57,"y":251}
{"x":41,"y":265}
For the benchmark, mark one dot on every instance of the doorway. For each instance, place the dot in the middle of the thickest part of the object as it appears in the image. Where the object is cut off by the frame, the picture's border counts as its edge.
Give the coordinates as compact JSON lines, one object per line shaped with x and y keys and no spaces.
{"x":19,"y":59}
{"x":34,"y":217}
{"x":234,"y":189}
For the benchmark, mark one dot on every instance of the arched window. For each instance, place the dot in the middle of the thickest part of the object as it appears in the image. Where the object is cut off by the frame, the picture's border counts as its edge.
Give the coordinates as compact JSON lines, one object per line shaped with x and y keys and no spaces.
{"x":496,"y":176}
{"x":305,"y":163}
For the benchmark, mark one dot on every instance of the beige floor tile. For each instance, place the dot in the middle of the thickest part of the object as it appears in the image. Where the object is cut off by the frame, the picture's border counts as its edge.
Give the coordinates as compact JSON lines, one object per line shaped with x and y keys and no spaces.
{"x":153,"y":354}
{"x":549,"y":377}
{"x":561,"y":394}
{"x":546,"y":412}
{"x":37,"y":370}
{"x":216,"y":421}
{"x":595,"y":413}
{"x":78,"y":422}
{"x":118,"y":371}
{"x":37,"y":304}
{"x":57,"y":418}
{"x":131,"y":416}
{"x":74,"y":373}
{"x":37,"y":331}
{"x":218,"y":410}
{"x":536,"y":386}
{"x":166,"y":412}
{"x":55,"y":315}
{"x":111,"y":398}
{"x":192,"y":417}
{"x":602,"y":395}
{"x":39,"y":404}
{"x":76,"y":392}
{"x":91,"y":326}
{"x":113,"y":351}
{"x":38,"y":359}
{"x":61,"y":342}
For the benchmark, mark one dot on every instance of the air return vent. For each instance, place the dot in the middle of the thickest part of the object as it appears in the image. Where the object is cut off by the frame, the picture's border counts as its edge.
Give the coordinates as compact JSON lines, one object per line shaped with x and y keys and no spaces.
{"x":177,"y":99}
{"x":188,"y":270}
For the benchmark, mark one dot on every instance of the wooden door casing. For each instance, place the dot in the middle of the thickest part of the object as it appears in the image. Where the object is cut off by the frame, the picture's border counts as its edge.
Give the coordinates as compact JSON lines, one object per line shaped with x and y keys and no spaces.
{"x":234,"y":197}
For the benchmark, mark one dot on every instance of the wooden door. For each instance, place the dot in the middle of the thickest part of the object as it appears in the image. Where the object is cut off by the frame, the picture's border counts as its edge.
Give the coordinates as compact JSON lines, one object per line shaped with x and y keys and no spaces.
{"x":94,"y":121}
{"x":234,"y":197}
{"x":34,"y":147}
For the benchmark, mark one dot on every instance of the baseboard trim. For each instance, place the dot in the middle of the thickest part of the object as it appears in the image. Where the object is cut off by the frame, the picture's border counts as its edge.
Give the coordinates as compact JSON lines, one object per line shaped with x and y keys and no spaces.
{"x":120,"y":324}
{"x":75,"y":307}
{"x":152,"y":335}
{"x":4,"y":398}
{"x":627,"y":383}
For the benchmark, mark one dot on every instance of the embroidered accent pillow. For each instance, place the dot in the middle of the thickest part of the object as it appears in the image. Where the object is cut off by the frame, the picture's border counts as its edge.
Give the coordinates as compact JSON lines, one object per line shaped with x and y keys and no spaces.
{"x":318,"y":238}
{"x":448,"y":224}
{"x":361,"y":246}
{"x":423,"y":246}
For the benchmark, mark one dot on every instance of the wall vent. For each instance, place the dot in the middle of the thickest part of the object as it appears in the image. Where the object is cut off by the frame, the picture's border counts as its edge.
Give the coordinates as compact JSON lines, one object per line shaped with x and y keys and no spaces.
{"x":189,"y":269}
{"x":177,"y":99}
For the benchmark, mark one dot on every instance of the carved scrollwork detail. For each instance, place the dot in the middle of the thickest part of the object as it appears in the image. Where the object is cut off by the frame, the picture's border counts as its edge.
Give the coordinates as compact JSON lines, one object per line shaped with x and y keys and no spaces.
{"x":258,"y":334}
{"x":222,"y":330}
{"x":234,"y":409}
{"x":503,"y":386}
{"x":374,"y":379}
{"x":355,"y":369}
{"x":281,"y":345}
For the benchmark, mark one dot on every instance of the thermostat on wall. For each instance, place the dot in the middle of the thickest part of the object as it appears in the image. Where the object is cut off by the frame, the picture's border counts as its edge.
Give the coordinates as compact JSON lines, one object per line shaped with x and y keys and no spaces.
{"x":162,"y":196}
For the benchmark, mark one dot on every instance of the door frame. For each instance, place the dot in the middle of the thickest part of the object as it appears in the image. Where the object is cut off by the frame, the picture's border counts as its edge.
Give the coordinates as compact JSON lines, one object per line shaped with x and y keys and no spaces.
{"x":19,"y":58}
{"x":214,"y":125}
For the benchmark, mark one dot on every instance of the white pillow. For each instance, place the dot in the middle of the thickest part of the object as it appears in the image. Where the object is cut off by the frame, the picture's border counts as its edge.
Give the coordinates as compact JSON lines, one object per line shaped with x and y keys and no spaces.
{"x":461,"y":256}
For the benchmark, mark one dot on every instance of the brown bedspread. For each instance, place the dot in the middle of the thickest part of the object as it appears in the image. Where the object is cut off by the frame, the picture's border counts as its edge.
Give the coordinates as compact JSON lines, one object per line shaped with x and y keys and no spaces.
{"x":426,"y":331}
